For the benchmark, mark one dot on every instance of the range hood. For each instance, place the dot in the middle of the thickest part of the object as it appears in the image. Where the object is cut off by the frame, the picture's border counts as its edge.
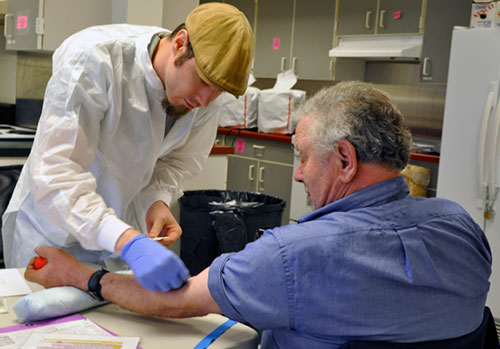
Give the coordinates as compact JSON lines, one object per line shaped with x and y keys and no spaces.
{"x":379,"y":46}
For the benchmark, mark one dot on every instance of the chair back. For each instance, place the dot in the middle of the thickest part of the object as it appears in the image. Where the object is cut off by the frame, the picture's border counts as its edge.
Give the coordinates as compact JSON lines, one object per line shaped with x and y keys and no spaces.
{"x":484,"y":337}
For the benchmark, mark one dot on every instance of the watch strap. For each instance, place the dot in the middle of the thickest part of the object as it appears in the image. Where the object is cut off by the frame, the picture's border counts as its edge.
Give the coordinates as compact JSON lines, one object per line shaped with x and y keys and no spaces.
{"x":94,"y":284}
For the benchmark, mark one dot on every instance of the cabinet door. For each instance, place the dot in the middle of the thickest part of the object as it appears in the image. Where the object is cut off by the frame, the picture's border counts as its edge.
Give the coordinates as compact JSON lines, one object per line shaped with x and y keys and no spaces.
{"x":20,"y":25}
{"x":310,"y":48}
{"x":276,"y":180}
{"x":241,"y":174}
{"x":357,"y":17}
{"x":245,"y":6}
{"x":399,"y":16}
{"x":437,"y":37}
{"x":260,"y":149}
{"x":273,"y":38}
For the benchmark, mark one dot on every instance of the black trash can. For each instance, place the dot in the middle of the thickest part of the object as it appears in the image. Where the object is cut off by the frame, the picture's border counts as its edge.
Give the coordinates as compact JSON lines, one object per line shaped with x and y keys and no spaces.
{"x":219,"y":221}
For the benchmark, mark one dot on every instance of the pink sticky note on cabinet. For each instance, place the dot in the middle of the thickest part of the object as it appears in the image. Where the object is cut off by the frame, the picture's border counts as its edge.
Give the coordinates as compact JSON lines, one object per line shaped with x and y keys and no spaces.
{"x":240,"y":146}
{"x":397,"y":14}
{"x":22,"y":22}
{"x":276,"y":43}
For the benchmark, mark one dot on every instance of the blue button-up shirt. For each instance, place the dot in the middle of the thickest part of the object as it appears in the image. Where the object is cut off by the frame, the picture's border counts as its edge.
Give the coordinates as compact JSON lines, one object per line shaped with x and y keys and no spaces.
{"x":376,"y":265}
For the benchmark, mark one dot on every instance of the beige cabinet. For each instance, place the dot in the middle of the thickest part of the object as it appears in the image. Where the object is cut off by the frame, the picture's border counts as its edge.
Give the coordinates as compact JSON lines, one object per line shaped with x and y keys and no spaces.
{"x":248,"y":7}
{"x":363,"y":17}
{"x":373,"y":22}
{"x":42,"y":25}
{"x":297,"y":34}
{"x":294,"y":34}
{"x":437,"y":38}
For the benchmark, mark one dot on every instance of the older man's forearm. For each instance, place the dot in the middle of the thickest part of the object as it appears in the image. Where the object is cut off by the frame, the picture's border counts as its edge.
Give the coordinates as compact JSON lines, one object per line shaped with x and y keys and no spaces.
{"x":192,"y":299}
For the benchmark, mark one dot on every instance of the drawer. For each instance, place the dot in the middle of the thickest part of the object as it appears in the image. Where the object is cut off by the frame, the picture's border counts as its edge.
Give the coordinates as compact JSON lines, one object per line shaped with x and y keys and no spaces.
{"x":261,"y":149}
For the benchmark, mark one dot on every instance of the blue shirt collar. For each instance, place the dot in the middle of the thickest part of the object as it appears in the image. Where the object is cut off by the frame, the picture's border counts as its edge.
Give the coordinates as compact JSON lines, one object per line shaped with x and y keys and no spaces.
{"x":392,"y":189}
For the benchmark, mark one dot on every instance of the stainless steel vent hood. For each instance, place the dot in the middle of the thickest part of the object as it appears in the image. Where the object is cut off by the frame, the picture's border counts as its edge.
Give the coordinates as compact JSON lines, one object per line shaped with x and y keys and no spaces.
{"x":379,"y":47}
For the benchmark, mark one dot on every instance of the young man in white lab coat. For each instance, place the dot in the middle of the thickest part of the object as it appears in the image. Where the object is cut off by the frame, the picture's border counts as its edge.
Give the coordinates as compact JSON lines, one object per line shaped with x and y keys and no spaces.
{"x":120,"y":130}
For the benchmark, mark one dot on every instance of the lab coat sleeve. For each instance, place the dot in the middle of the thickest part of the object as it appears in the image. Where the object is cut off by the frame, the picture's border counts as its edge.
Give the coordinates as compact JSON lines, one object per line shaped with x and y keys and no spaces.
{"x":75,"y":103}
{"x":185,"y":161}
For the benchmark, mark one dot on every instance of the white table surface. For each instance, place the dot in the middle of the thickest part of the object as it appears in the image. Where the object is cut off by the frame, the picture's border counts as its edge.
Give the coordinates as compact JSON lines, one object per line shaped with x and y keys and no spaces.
{"x":156,"y":332}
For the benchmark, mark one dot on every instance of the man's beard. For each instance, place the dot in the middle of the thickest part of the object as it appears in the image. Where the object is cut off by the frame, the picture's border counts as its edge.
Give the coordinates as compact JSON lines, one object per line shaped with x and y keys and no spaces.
{"x":173,"y":111}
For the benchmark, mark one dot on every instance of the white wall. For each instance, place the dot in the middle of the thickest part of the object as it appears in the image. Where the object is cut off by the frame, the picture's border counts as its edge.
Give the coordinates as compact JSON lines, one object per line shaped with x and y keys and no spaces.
{"x":163,"y":13}
{"x":118,"y":11}
{"x":175,"y":12}
{"x":145,"y":12}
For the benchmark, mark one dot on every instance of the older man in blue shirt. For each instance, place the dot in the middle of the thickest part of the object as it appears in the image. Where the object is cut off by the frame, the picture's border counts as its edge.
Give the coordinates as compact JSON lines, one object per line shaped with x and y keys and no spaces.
{"x":369,"y":263}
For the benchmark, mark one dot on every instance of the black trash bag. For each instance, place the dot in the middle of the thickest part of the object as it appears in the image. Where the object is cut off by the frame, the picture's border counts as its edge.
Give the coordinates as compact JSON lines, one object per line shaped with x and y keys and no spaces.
{"x":217,"y":221}
{"x":230,"y":230}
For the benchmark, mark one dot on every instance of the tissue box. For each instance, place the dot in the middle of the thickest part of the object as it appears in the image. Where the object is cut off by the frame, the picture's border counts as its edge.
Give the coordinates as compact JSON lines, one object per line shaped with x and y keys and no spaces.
{"x":276,"y":108}
{"x":239,"y":112}
{"x":484,"y":15}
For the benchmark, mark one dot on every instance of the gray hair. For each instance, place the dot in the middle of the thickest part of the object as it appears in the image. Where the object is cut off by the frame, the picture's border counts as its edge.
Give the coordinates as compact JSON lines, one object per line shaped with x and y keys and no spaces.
{"x":363,"y":115}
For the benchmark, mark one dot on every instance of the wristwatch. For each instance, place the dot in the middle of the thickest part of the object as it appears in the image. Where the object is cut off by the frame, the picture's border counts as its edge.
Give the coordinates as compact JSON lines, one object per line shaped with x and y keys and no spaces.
{"x":94,"y":284}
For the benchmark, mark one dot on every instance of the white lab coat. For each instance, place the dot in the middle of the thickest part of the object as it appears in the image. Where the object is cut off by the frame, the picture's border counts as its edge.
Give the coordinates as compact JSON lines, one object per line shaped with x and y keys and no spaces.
{"x":100,"y":157}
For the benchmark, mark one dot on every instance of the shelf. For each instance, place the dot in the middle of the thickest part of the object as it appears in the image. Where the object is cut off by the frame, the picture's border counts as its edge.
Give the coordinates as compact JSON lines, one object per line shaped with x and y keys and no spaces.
{"x":424,"y":157}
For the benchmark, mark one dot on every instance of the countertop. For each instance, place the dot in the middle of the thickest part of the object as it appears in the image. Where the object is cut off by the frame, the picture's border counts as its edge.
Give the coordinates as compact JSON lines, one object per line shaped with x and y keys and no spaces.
{"x":218,"y":149}
{"x":16,"y":148}
{"x":417,"y":156}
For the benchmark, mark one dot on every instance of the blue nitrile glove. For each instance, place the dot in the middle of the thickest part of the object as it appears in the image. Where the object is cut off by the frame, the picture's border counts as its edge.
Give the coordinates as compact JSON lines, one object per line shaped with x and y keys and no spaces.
{"x":155,"y":267}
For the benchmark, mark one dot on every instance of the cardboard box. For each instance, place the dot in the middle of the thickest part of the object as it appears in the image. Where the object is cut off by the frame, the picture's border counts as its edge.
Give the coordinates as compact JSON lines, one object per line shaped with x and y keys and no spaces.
{"x":484,"y":15}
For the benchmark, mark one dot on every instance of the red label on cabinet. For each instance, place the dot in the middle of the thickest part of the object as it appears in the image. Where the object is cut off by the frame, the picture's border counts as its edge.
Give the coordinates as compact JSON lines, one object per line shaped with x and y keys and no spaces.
{"x":22,"y":22}
{"x":240,"y":146}
{"x":276,"y":43}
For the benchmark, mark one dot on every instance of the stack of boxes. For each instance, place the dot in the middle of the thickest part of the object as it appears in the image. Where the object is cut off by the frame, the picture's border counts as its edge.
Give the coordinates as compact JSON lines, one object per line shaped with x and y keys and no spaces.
{"x":485,"y":14}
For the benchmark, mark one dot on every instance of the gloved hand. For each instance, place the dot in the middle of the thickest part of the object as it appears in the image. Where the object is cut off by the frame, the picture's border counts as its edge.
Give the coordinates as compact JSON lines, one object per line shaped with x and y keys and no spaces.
{"x":155,"y":267}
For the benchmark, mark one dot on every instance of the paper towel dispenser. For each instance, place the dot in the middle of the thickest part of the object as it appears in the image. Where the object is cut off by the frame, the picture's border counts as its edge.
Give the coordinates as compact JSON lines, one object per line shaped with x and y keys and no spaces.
{"x":379,"y":47}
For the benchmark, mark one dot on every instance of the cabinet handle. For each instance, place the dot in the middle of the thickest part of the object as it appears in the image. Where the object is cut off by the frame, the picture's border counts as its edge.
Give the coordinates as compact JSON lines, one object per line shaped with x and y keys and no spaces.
{"x":261,"y":175}
{"x":283,"y":62}
{"x":421,"y":25}
{"x":250,"y":172}
{"x":367,"y":19}
{"x":6,"y":26}
{"x":294,"y":61}
{"x":382,"y":18}
{"x":425,"y":70}
{"x":259,"y":150}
